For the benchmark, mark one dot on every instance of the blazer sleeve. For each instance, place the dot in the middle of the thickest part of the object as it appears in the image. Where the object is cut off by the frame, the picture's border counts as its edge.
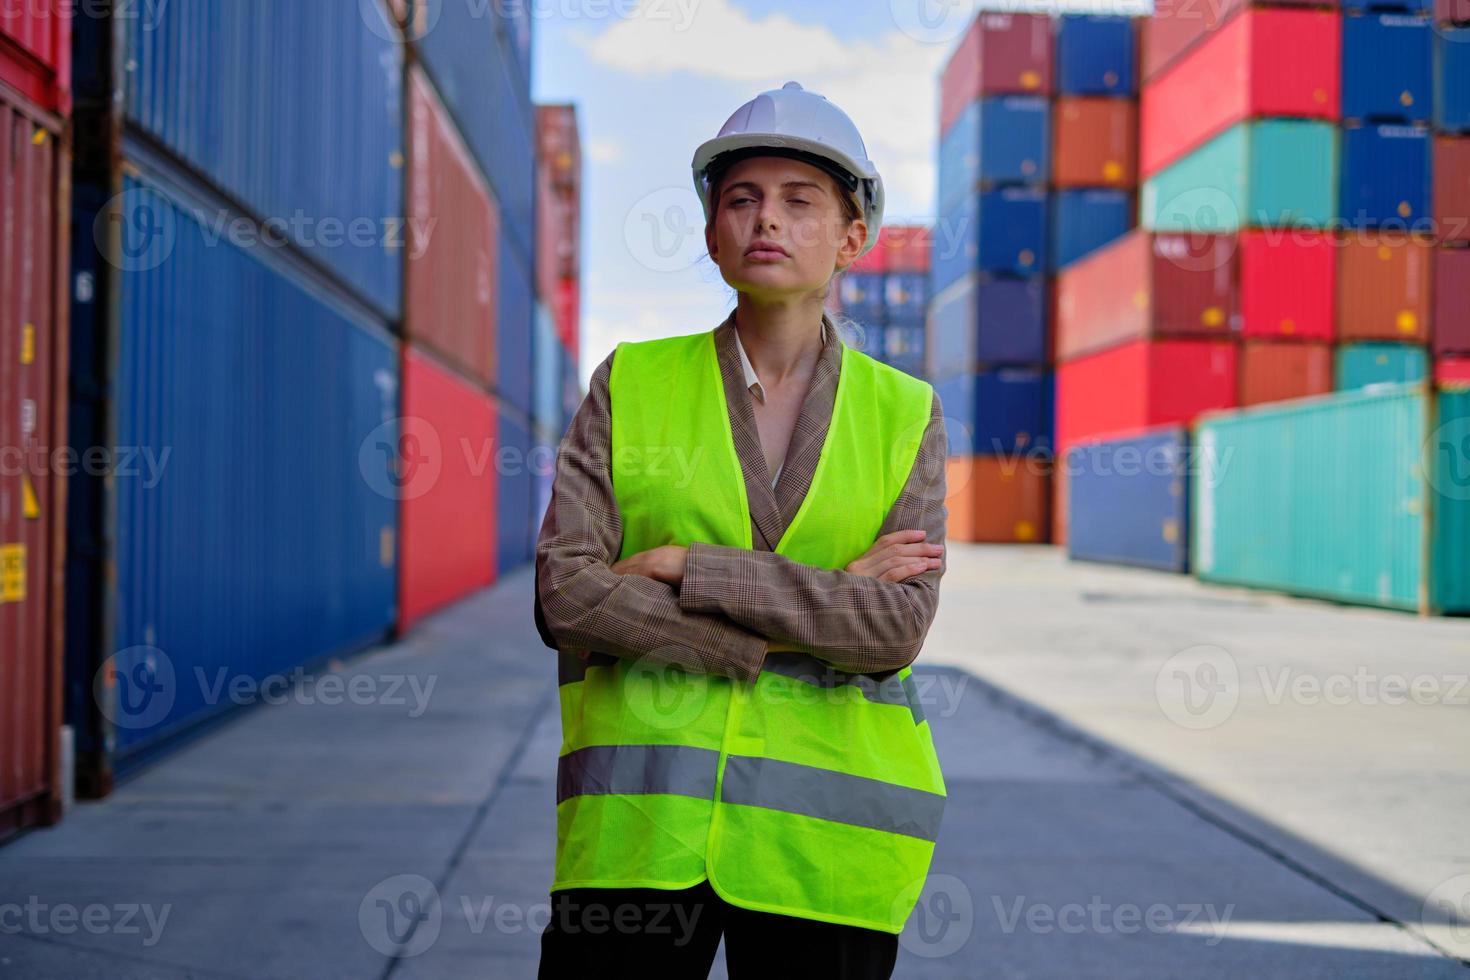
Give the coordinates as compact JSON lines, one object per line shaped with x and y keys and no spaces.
{"x":581,"y":603}
{"x":852,"y":622}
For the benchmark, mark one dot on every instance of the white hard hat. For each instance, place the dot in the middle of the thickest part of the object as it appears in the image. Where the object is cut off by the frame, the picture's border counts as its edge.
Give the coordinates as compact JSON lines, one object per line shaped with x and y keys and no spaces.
{"x":790,"y":121}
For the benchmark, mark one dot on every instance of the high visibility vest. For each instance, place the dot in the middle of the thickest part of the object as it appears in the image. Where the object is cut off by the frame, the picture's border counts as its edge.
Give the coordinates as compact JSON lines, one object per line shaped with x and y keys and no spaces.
{"x":810,"y":792}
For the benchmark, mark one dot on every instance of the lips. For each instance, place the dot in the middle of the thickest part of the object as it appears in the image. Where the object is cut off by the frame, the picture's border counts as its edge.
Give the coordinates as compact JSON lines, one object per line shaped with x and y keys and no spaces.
{"x":765,"y":249}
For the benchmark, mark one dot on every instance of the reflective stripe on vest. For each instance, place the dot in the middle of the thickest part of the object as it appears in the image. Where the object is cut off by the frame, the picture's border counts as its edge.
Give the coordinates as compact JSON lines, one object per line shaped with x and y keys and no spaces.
{"x":811,"y":792}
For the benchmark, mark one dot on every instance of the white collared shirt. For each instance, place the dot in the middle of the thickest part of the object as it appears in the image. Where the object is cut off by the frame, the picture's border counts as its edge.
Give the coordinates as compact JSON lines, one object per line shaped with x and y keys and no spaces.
{"x":753,"y":383}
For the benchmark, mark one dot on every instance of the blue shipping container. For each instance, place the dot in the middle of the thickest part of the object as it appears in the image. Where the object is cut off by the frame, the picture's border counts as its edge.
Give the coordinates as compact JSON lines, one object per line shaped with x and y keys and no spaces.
{"x":1001,"y":230}
{"x":546,"y":395}
{"x":998,"y":413}
{"x":1085,"y":220}
{"x":514,"y":495}
{"x":987,"y":321}
{"x":862,"y":295}
{"x":957,"y":401}
{"x":1095,"y":55}
{"x":905,"y":295}
{"x":1386,"y":67}
{"x":295,"y":110}
{"x":1128,"y":500}
{"x":1386,"y":177}
{"x":266,"y":538}
{"x":1452,"y":79}
{"x":1362,"y":365}
{"x":514,"y":325}
{"x":476,"y":76}
{"x":997,"y":139}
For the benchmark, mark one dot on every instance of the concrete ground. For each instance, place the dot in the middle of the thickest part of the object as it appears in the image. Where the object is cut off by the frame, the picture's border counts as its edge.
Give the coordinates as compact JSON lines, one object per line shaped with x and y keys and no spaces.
{"x":1147,"y":778}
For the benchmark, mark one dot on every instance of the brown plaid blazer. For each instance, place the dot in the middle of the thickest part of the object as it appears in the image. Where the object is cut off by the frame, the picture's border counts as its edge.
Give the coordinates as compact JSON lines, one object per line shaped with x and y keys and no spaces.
{"x":732,"y":599}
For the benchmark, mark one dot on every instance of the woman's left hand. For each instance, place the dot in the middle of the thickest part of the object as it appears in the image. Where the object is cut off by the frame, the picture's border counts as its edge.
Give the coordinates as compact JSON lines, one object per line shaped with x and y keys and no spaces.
{"x":663,"y":564}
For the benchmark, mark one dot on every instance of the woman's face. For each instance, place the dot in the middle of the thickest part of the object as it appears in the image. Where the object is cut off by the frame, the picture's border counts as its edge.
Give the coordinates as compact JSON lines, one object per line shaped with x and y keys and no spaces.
{"x":792,"y":209}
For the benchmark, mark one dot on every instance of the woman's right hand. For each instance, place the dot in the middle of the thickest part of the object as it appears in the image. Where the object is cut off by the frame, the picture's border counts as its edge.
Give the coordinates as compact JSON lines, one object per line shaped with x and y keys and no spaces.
{"x":897,"y":556}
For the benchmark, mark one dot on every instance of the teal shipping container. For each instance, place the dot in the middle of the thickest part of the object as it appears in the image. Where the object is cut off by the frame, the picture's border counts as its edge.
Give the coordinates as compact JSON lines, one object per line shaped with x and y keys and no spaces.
{"x":1361,"y":365}
{"x":1360,"y":497}
{"x":1266,"y":173}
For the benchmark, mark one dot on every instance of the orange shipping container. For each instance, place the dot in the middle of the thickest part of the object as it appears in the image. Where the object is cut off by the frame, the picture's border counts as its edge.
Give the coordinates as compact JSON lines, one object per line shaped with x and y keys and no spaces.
{"x":1274,"y":372}
{"x":959,"y":499}
{"x":454,"y":226}
{"x":1095,"y":143}
{"x":1383,"y":287}
{"x":1008,"y":500}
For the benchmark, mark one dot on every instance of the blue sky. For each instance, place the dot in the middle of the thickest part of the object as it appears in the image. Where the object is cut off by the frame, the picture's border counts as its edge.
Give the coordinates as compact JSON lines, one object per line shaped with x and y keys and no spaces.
{"x":653,"y":79}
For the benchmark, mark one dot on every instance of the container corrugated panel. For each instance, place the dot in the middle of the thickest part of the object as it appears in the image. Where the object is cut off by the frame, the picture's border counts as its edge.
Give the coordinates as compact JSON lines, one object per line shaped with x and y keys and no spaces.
{"x":1288,"y":285}
{"x":1383,"y":283}
{"x":1385,"y":177}
{"x":987,"y":321}
{"x":32,"y":426}
{"x":1004,"y":412}
{"x":1274,"y":372}
{"x":1095,"y":55}
{"x":514,"y":502}
{"x":1452,"y":79}
{"x":906,"y":248}
{"x":1263,"y":62}
{"x":1451,"y":196}
{"x":1001,"y":230}
{"x":957,"y":400}
{"x":514,"y":325}
{"x":447,"y":515}
{"x":476,"y":76}
{"x":1452,"y":11}
{"x":1271,"y":513}
{"x":999,"y":53}
{"x":1129,"y":500}
{"x":224,"y":86}
{"x":546,"y":391}
{"x":1365,"y":365}
{"x":1086,"y":220}
{"x":1010,"y":497}
{"x":35,"y":51}
{"x":267,"y":536}
{"x":1386,"y":66}
{"x":1096,"y":143}
{"x":1452,"y":301}
{"x":454,"y":231}
{"x":997,"y":139}
{"x":1146,"y":285}
{"x":1264,"y":173}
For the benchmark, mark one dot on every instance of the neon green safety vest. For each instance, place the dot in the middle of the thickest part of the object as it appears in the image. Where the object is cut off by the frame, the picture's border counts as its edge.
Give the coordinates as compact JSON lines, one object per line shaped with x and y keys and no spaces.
{"x":811,"y":792}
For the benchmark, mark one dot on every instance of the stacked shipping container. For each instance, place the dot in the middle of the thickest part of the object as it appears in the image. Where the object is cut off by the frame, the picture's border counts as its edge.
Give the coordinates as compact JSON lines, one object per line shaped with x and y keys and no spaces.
{"x":35,"y":102}
{"x":884,"y":295}
{"x":1450,"y":196}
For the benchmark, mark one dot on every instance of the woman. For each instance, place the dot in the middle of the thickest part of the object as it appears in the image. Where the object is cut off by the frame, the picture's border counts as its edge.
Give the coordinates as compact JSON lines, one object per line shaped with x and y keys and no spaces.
{"x":740,"y":560}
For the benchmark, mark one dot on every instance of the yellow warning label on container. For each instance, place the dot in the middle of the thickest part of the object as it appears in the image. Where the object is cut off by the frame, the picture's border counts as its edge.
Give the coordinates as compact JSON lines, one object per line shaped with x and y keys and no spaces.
{"x":39,"y":137}
{"x":1385,"y":253}
{"x":385,"y":547}
{"x":29,"y":505}
{"x":1171,"y":531}
{"x":1406,"y":97}
{"x":1025,"y":531}
{"x":395,"y":160}
{"x":1407,"y":321}
{"x":1027,"y":256}
{"x":12,"y":573}
{"x":1212,"y":316}
{"x":1030,"y":79}
{"x":1405,"y":209}
{"x":28,"y":343}
{"x":1319,"y":95}
{"x":1140,"y":299}
{"x":1110,"y":78}
{"x":1112,"y":170}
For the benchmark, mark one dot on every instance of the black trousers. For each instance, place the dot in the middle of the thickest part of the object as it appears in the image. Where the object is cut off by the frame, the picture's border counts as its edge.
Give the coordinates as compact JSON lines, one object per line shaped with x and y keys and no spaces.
{"x":656,"y":932}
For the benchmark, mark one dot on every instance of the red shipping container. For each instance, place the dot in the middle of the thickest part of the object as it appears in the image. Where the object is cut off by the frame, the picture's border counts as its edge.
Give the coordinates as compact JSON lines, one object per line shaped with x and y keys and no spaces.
{"x":999,"y":53}
{"x":454,"y":229}
{"x":559,"y":144}
{"x":447,"y":514}
{"x":1263,"y":62}
{"x":1453,"y":372}
{"x":1147,"y":285}
{"x":1451,"y":197}
{"x":874,"y":261}
{"x":1452,"y":301}
{"x":907,"y":248}
{"x":1383,"y":287}
{"x":1287,"y":284}
{"x":1095,"y":143}
{"x":1274,"y":372}
{"x":34,"y":175}
{"x":567,"y":311}
{"x":35,"y":51}
{"x":1452,"y":11}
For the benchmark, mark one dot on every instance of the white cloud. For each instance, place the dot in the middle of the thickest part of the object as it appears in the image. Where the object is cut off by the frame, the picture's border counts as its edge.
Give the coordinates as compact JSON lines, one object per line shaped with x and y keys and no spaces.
{"x":604,"y":150}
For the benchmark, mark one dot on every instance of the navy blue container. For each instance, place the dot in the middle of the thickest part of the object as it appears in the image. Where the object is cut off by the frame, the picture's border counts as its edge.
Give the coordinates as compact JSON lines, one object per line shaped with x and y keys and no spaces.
{"x":515,"y":492}
{"x":1128,"y":500}
{"x":1002,"y":412}
{"x":862,"y":295}
{"x":1452,"y":79}
{"x":1012,"y":317}
{"x":292,"y":109}
{"x":1087,"y":219}
{"x":1000,"y":230}
{"x":951,"y":329}
{"x":514,"y":326}
{"x":997,"y":139}
{"x":903,"y":347}
{"x":905,"y":295}
{"x":1385,"y":177}
{"x":268,"y":537}
{"x":479,"y":80}
{"x":957,"y":400}
{"x":1386,"y":71}
{"x":1095,"y":55}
